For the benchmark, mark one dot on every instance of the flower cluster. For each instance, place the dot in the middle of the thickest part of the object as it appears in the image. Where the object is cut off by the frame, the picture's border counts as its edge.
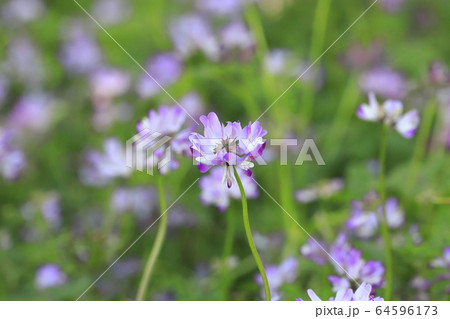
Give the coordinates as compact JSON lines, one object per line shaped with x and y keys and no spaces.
{"x":12,"y":159}
{"x":363,"y":293}
{"x":227,"y":146}
{"x":391,"y":113}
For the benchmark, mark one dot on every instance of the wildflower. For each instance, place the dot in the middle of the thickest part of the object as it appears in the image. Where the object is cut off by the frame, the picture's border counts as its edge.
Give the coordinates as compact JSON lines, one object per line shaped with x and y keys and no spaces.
{"x":321,"y":190}
{"x":235,"y":36}
{"x":213,"y":191}
{"x":314,"y":252}
{"x":49,"y":275}
{"x":221,"y":8}
{"x":101,"y":168}
{"x":363,"y":293}
{"x":391,"y":113}
{"x":12,"y":159}
{"x":279,"y":275}
{"x":168,"y":121}
{"x":107,"y":83}
{"x":444,"y":261}
{"x":192,"y":32}
{"x":392,"y":6}
{"x":438,"y":73}
{"x":138,"y":200}
{"x":192,"y":103}
{"x":22,"y":10}
{"x":227,"y":146}
{"x":109,"y":12}
{"x":165,"y":69}
{"x":383,"y":81}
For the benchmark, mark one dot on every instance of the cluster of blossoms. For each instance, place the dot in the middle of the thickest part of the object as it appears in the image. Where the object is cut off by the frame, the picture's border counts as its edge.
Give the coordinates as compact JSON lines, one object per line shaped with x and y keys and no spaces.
{"x":278,"y":275}
{"x":363,"y":293}
{"x":12,"y":159}
{"x":347,"y":261}
{"x":228,"y":146}
{"x":48,"y":205}
{"x":383,"y":81}
{"x":391,"y":113}
{"x":367,"y":214}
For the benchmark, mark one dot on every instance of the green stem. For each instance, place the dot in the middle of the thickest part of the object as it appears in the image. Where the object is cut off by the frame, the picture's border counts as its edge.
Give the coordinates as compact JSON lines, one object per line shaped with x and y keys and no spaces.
{"x":227,"y":248}
{"x":384,"y":225}
{"x":157,"y":245}
{"x":248,"y":232}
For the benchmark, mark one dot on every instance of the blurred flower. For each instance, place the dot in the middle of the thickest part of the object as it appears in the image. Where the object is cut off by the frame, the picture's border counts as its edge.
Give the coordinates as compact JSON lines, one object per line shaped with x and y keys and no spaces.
{"x":415,"y":234}
{"x":101,"y":168}
{"x":138,"y":200}
{"x":170,"y":122}
{"x":364,"y":223}
{"x":444,"y":261}
{"x":321,"y":190}
{"x":314,"y":252}
{"x":24,"y":62}
{"x":179,"y":217}
{"x":438,"y":73}
{"x":339,"y":283}
{"x":80,"y":52}
{"x":192,"y":32}
{"x":395,"y":216}
{"x":361,"y":294}
{"x":421,"y":286}
{"x":392,"y":6}
{"x":227,"y":146}
{"x":165,"y":68}
{"x":235,"y":36}
{"x":391,"y":113}
{"x":278,"y":275}
{"x":22,"y":11}
{"x":192,"y":103}
{"x":107,"y":83}
{"x":49,"y":275}
{"x":12,"y":160}
{"x":109,"y":12}
{"x":358,"y":56}
{"x":51,"y":209}
{"x":32,"y":114}
{"x":221,"y":8}
{"x":385,"y":82}
{"x":213,"y":190}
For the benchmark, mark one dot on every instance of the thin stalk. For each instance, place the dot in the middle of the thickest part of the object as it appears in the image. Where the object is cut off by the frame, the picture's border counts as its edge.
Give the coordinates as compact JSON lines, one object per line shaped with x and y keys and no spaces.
{"x":227,"y":248}
{"x":384,"y":225}
{"x":158,"y":242}
{"x":248,"y":232}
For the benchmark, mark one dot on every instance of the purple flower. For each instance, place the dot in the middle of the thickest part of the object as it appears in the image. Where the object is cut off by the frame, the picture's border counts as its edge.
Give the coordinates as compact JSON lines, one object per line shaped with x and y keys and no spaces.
{"x":80,"y":52}
{"x":392,"y":6}
{"x":339,"y":283}
{"x":168,"y":121}
{"x":390,"y":112}
{"x":192,"y":103}
{"x":439,"y":73}
{"x":214,"y":192}
{"x":109,"y":12}
{"x":138,"y":200}
{"x":278,"y":275}
{"x":363,"y":293}
{"x":444,"y":261}
{"x":385,"y":82}
{"x":51,"y":209}
{"x":192,"y":32}
{"x":107,"y":83}
{"x":236,"y":36}
{"x":24,"y":62}
{"x":22,"y":10}
{"x":321,"y":190}
{"x":49,"y":275}
{"x":394,"y":214}
{"x":221,"y":8}
{"x":165,"y":68}
{"x":12,"y":160}
{"x":227,"y":146}
{"x":314,"y":252}
{"x":101,"y":168}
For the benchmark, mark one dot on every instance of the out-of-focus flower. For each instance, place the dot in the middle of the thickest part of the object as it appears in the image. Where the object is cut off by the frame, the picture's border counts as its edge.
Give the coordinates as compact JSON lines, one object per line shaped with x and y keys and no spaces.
{"x":321,"y":190}
{"x":227,"y":146}
{"x":385,"y":82}
{"x":12,"y":160}
{"x":421,"y":286}
{"x":415,"y":234}
{"x":165,"y":69}
{"x":24,"y":62}
{"x":392,"y":6}
{"x":278,"y":275}
{"x":109,"y":12}
{"x":359,"y":57}
{"x":395,"y":216}
{"x":213,"y":190}
{"x":391,"y":113}
{"x":101,"y":168}
{"x":339,"y":283}
{"x":32,"y":114}
{"x":192,"y":103}
{"x":80,"y":52}
{"x":192,"y":32}
{"x":438,"y":73}
{"x":235,"y":36}
{"x":314,"y":252}
{"x":221,"y":8}
{"x":107,"y":83}
{"x":363,"y":293}
{"x":179,"y":217}
{"x":138,"y":200}
{"x":168,"y":122}
{"x":51,"y":209}
{"x":49,"y":275}
{"x":444,"y":261}
{"x":363,"y":223}
{"x":22,"y":11}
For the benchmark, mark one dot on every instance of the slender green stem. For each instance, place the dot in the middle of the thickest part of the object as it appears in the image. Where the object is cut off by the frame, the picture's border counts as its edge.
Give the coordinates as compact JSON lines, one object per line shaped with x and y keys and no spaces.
{"x":227,"y":248}
{"x":248,"y":232}
{"x":384,"y":225}
{"x":158,"y":242}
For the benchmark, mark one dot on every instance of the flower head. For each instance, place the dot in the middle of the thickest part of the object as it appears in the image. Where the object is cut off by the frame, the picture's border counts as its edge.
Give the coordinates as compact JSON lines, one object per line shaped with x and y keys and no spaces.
{"x":363,"y":293}
{"x":49,"y":275}
{"x":444,"y":261}
{"x":227,"y":145}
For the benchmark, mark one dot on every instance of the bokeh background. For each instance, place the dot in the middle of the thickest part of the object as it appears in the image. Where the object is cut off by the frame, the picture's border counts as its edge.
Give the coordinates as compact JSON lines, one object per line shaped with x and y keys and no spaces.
{"x":70,"y":97}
